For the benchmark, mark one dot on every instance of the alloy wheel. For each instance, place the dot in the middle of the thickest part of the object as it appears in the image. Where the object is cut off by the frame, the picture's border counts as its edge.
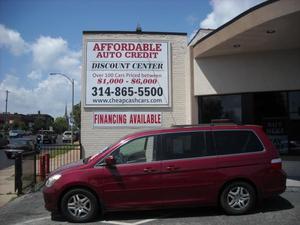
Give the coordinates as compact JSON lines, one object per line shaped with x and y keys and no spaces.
{"x":238,"y":197}
{"x":79,"y":205}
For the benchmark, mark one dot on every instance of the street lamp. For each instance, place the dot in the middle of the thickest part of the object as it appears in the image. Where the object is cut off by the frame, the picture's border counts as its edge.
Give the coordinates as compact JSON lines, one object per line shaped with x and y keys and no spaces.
{"x":72,"y":117}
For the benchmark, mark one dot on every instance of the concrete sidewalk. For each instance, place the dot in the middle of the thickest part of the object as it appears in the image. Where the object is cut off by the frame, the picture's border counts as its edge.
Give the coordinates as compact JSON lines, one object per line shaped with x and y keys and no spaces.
{"x":7,"y":185}
{"x":292,"y":183}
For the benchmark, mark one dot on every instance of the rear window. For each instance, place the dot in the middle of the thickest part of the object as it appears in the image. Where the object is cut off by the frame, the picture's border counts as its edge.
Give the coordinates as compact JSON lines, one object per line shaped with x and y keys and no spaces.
{"x":235,"y":142}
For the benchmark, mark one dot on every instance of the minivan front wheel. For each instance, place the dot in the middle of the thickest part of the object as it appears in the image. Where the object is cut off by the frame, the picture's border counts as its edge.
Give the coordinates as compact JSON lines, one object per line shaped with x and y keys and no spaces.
{"x":79,"y":205}
{"x":238,"y":198}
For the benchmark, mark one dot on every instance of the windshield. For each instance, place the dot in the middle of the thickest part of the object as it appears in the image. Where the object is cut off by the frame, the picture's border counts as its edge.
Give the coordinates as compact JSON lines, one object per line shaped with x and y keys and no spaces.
{"x":86,"y":160}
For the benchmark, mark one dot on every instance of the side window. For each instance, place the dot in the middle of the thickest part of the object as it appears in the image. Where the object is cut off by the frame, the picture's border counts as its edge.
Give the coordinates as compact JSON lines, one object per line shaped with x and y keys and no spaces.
{"x":184,"y":145}
{"x":235,"y":142}
{"x":136,"y":151}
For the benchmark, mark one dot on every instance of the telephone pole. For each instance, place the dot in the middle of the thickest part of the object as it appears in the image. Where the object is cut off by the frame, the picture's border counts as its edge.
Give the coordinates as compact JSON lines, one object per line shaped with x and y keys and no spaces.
{"x":6,"y":101}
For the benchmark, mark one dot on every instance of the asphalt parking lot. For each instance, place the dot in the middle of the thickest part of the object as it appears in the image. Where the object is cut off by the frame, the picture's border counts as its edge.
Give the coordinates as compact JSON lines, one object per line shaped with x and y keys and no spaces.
{"x":281,"y":210}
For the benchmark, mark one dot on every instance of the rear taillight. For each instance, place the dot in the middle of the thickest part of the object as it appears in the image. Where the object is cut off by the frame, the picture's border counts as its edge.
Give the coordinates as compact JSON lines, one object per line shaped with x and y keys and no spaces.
{"x":276,"y":164}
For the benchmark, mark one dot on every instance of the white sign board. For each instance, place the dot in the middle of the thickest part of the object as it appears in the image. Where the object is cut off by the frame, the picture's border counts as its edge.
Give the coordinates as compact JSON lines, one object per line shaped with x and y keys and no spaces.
{"x":127,"y":119}
{"x":124,"y":73}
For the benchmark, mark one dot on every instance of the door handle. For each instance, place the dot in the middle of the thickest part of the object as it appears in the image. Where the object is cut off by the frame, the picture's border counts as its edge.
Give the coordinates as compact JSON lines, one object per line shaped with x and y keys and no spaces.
{"x":149,"y":170}
{"x":172,"y":168}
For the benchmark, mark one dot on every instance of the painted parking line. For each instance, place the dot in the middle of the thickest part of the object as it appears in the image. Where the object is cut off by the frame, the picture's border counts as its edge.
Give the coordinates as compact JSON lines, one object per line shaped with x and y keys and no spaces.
{"x":115,"y":222}
{"x":144,"y":221}
{"x":33,"y":221}
{"x":124,"y":223}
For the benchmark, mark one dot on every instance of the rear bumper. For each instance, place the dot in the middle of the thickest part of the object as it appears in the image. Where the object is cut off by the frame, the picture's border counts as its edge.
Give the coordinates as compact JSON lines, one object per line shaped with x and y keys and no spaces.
{"x":276,"y":185}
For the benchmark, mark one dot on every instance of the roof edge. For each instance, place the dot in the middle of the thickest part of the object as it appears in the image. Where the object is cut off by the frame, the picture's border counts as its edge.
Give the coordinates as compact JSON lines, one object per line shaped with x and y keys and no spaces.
{"x":235,"y":19}
{"x":134,"y":32}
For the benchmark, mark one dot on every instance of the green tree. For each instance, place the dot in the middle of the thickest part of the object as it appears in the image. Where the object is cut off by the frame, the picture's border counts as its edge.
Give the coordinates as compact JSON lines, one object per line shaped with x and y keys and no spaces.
{"x":77,"y":114}
{"x":41,"y":123}
{"x":60,"y":125}
{"x":17,"y":124}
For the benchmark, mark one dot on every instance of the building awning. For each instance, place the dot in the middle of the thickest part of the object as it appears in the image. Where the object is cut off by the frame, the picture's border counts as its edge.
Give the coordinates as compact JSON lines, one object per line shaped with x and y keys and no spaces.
{"x":272,"y":25}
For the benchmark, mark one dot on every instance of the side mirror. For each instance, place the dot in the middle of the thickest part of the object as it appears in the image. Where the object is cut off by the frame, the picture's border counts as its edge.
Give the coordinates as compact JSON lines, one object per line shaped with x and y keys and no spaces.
{"x":110,"y":161}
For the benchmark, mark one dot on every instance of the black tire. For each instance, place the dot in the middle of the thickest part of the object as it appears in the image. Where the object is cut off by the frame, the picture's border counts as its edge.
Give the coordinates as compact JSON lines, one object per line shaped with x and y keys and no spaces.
{"x":238,"y":198}
{"x":79,"y":201}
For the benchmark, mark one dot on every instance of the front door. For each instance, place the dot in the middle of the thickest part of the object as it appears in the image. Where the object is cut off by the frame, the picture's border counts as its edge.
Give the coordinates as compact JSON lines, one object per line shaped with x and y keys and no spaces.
{"x":135,"y":179}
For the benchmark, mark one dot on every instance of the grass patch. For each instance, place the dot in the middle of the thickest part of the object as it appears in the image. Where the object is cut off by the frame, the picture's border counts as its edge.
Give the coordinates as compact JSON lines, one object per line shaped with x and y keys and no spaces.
{"x":58,"y":152}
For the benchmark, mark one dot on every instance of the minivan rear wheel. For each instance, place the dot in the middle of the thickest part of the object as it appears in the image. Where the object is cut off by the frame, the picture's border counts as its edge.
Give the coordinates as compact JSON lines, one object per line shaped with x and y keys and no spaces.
{"x":238,"y":198}
{"x":79,"y":205}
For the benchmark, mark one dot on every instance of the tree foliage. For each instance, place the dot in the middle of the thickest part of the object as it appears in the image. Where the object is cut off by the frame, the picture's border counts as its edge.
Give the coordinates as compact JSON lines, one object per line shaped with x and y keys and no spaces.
{"x":77,"y":115}
{"x":41,"y":123}
{"x":60,"y":125}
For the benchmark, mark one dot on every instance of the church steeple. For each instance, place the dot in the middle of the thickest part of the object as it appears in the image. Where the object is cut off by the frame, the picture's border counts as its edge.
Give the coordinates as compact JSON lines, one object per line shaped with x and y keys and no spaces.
{"x":66,"y":115}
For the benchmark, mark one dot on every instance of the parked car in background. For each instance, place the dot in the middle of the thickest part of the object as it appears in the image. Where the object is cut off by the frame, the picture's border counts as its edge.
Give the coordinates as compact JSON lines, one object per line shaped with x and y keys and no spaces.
{"x":3,"y":140}
{"x":233,"y":166}
{"x":16,"y":133}
{"x":18,"y":145}
{"x":67,"y":136}
{"x":46,"y":136}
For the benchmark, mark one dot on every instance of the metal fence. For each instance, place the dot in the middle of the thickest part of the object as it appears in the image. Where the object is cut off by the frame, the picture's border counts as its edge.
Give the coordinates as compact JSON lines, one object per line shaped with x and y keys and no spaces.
{"x":25,"y":171}
{"x":33,"y":167}
{"x":51,"y":157}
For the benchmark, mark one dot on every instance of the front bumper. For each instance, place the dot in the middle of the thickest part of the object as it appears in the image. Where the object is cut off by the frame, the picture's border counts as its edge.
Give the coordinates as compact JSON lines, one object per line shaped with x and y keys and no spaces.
{"x":51,"y":198}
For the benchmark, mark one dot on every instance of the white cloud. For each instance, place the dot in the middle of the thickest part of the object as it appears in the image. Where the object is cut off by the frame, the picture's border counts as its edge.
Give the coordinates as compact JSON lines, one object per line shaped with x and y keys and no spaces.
{"x":39,"y":91}
{"x":225,"y":10}
{"x":54,"y":55}
{"x":46,"y":50}
{"x":13,"y":41}
{"x":35,"y":75}
{"x":48,"y":96}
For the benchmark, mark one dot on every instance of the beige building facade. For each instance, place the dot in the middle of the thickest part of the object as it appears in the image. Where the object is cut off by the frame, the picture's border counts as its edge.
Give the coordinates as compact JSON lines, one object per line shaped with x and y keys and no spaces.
{"x":172,"y":81}
{"x":246,"y":71}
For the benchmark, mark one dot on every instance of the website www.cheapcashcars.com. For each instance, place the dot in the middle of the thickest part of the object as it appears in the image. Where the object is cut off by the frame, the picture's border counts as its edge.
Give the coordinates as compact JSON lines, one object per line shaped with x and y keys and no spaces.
{"x":127,"y":101}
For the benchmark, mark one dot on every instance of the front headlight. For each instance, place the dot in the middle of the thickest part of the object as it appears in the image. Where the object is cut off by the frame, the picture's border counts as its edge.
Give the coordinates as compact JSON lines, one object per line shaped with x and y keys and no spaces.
{"x":51,"y":180}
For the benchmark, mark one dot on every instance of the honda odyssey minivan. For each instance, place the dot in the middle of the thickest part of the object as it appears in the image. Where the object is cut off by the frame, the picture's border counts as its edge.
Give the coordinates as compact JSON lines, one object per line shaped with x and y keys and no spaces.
{"x":233,"y":166}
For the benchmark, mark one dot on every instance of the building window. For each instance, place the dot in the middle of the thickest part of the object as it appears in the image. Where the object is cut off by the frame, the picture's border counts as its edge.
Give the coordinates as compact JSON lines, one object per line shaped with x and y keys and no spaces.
{"x":220,"y":107}
{"x":294,"y":122}
{"x":294,"y":105}
{"x":278,"y":112}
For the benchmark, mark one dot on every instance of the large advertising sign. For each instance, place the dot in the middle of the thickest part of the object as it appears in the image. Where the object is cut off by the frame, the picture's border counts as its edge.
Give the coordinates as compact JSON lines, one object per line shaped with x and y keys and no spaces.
{"x":124,"y":73}
{"x":127,"y":119}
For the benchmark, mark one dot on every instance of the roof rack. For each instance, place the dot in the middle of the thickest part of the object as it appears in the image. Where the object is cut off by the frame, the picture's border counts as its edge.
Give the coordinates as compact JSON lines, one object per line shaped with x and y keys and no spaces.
{"x":190,"y":125}
{"x":215,"y":122}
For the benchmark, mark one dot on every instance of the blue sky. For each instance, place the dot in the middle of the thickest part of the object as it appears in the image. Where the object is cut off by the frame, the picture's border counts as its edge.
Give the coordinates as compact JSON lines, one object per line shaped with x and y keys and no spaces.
{"x":42,"y":36}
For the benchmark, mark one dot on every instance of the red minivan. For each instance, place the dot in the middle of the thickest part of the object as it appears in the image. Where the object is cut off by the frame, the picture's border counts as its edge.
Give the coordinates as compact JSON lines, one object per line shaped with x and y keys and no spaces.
{"x":233,"y":166}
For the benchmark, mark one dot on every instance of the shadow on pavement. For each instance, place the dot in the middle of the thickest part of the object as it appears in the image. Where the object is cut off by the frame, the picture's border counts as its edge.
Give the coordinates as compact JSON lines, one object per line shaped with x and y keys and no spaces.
{"x":277,"y":203}
{"x":4,"y":162}
{"x":269,"y":205}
